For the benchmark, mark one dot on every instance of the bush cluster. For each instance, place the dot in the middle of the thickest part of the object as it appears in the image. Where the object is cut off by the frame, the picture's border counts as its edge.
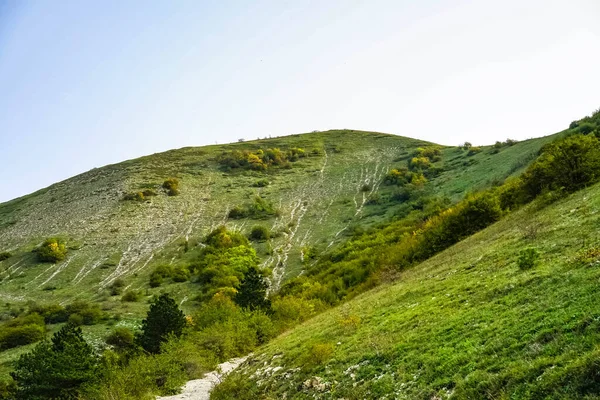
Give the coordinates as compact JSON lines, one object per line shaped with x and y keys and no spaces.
{"x":5,"y":255}
{"x":259,"y":208}
{"x":171,"y":185}
{"x":52,"y":250}
{"x":260,"y":160}
{"x":140,"y":196}
{"x":21,"y":331}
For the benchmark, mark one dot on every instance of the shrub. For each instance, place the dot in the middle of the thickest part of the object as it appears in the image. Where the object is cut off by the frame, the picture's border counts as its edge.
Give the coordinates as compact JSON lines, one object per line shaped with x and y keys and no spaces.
{"x":121,"y":338}
{"x":568,"y":164}
{"x":260,"y":233}
{"x":171,"y":185}
{"x":116,"y":287}
{"x":131,"y":296}
{"x":319,"y":353}
{"x":84,"y":313}
{"x":52,"y":313}
{"x":527,"y":258}
{"x":586,"y":128}
{"x":21,"y":335}
{"x":466,"y":146}
{"x":473,"y":150}
{"x":163,"y":319}
{"x":155,"y":280}
{"x":5,"y":255}
{"x":261,"y":183}
{"x":252,"y":291}
{"x":180,"y":274}
{"x":57,"y":370}
{"x":137,"y":196}
{"x":52,"y":250}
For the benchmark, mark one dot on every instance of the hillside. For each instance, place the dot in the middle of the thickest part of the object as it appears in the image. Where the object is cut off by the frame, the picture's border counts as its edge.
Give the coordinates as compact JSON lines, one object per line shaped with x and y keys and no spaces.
{"x":319,"y":200}
{"x":467,"y":323}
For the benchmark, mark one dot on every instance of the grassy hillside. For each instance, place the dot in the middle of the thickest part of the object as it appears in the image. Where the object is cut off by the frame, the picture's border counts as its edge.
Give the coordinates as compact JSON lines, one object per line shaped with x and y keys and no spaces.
{"x":318,"y":200}
{"x":468,"y":322}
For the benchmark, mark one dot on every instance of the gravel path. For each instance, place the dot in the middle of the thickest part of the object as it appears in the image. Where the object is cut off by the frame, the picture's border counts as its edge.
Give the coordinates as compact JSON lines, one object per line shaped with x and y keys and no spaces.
{"x":199,"y":389}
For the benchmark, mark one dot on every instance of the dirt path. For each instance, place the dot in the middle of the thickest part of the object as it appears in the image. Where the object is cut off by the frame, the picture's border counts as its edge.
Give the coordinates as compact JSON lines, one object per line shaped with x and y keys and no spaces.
{"x":199,"y":389}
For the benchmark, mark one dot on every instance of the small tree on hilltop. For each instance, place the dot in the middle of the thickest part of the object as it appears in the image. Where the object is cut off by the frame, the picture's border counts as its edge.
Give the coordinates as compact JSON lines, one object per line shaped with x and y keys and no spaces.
{"x":164,"y":318}
{"x":57,"y":370}
{"x":252,"y":292}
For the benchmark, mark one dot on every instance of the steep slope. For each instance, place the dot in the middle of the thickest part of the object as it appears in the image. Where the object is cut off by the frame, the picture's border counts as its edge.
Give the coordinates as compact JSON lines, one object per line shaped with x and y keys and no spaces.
{"x":468,"y":323}
{"x":319,"y":200}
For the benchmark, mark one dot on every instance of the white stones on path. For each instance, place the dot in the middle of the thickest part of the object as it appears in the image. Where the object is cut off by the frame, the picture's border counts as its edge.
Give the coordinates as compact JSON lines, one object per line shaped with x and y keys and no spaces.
{"x":199,"y":389}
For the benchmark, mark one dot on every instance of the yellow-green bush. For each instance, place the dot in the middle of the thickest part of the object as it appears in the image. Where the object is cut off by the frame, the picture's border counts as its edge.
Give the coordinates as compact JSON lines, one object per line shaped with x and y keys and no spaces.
{"x":52,"y":250}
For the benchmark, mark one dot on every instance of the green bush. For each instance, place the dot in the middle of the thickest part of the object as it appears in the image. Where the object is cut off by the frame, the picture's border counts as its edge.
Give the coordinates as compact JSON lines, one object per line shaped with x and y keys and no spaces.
{"x":116,"y":288}
{"x":136,"y":196}
{"x":527,"y":258}
{"x":52,"y":250}
{"x":236,"y":387}
{"x":5,"y":255}
{"x":131,"y":296}
{"x":84,"y":313}
{"x":259,"y":208}
{"x":21,"y":335}
{"x":171,"y":185}
{"x":121,"y":338}
{"x":260,"y":233}
{"x":180,"y":274}
{"x":52,"y":313}
{"x":569,"y":164}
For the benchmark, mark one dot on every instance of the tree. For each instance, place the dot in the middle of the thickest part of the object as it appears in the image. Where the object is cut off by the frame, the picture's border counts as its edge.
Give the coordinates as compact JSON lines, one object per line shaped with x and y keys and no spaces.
{"x":164,"y":319}
{"x":252,"y":291}
{"x":57,"y":370}
{"x":569,"y":164}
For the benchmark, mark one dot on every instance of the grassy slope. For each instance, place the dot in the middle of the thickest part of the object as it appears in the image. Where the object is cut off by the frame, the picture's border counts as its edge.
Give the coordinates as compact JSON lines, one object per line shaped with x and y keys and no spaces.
{"x":320,"y":200}
{"x":467,"y":322}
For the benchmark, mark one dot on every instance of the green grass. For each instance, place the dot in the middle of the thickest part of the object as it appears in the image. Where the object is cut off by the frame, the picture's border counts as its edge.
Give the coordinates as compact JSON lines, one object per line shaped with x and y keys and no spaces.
{"x":466,"y":324}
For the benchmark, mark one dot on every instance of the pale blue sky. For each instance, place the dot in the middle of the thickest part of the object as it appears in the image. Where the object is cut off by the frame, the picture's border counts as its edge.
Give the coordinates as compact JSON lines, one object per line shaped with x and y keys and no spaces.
{"x":84,"y":84}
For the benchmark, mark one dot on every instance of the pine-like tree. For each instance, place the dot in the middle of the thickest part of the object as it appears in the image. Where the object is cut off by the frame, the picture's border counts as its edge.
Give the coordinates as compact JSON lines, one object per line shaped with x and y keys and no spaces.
{"x":164,"y":318}
{"x":252,"y":291}
{"x":57,"y":370}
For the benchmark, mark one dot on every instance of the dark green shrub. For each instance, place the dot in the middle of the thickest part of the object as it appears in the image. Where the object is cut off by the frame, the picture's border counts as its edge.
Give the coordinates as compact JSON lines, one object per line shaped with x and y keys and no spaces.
{"x":52,"y":250}
{"x":57,"y":370}
{"x":116,"y":288}
{"x":260,"y":233}
{"x":466,"y":146}
{"x":21,"y":335}
{"x":527,"y":258}
{"x":586,"y":128}
{"x":238,"y":212}
{"x":5,"y":255}
{"x":171,"y":185}
{"x":52,"y":313}
{"x":180,"y":274}
{"x":149,"y":193}
{"x":137,"y":196}
{"x":163,"y":320}
{"x":84,"y":313}
{"x":155,"y":280}
{"x":121,"y":338}
{"x":252,"y":291}
{"x":131,"y":296}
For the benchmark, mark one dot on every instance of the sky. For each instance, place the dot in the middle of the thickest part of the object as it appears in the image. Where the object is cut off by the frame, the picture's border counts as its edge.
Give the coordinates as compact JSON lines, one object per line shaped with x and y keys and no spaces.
{"x":84,"y":84}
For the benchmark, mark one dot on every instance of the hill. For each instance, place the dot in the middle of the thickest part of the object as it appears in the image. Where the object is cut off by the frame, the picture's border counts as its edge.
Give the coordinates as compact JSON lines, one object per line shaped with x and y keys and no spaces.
{"x":317,"y":202}
{"x":468,"y":323}
{"x":323,"y":216}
